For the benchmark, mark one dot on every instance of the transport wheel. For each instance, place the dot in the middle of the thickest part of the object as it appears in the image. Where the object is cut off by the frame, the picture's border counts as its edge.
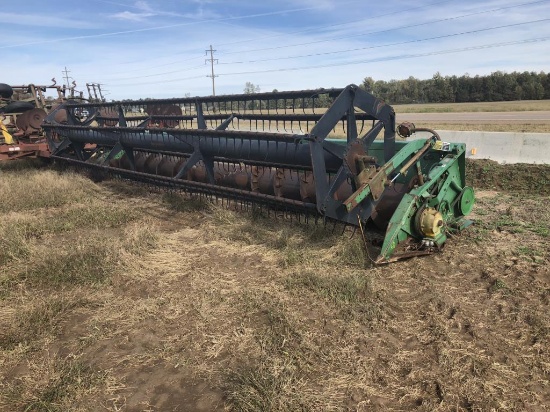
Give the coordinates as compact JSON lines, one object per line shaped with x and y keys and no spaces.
{"x":5,"y":91}
{"x":15,"y":107}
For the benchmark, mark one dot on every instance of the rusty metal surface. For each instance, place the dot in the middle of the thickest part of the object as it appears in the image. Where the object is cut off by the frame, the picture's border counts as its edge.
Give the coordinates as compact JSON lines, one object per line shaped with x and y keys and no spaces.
{"x":108,"y":116}
{"x":20,"y":150}
{"x":35,"y":118}
{"x":22,"y":122}
{"x":24,"y":109}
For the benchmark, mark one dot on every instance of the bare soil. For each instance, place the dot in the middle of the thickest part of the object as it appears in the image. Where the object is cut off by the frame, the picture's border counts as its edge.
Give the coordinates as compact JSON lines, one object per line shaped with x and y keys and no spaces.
{"x":177,"y":304}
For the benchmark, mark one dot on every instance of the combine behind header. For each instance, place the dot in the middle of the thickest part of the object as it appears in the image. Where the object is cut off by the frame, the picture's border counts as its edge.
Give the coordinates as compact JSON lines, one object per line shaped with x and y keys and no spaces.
{"x":313,"y":152}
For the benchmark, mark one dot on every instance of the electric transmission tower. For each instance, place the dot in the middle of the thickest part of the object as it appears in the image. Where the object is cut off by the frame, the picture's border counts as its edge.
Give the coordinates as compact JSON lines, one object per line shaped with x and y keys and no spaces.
{"x":212,"y":75}
{"x":66,"y":77}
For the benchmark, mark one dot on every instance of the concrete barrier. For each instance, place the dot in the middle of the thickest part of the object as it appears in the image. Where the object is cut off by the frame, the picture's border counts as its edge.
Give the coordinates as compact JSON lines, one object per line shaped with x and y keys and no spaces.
{"x":501,"y":147}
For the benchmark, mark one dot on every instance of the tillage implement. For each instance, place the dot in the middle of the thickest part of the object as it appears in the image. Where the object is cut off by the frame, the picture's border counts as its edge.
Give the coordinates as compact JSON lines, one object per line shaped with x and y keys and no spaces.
{"x":312,"y":152}
{"x":22,"y":111}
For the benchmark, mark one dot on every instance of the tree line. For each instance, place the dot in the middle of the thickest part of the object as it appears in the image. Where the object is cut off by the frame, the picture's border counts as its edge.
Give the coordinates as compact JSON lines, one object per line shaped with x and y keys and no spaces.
{"x":498,"y":86}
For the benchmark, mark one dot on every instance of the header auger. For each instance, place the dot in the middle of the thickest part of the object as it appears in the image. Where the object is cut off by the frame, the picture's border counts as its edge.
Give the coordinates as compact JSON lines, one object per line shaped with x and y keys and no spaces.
{"x":312,"y":151}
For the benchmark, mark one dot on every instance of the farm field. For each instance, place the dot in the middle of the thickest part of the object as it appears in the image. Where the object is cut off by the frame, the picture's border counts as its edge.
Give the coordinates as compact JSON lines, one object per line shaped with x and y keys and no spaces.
{"x":517,"y":121}
{"x":488,"y":127}
{"x":531,"y":116}
{"x":483,"y":116}
{"x":507,"y":106}
{"x":117,"y":298}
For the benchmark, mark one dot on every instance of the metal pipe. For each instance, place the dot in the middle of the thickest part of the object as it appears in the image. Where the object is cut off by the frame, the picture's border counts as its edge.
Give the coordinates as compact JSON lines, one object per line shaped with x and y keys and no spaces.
{"x":249,"y":146}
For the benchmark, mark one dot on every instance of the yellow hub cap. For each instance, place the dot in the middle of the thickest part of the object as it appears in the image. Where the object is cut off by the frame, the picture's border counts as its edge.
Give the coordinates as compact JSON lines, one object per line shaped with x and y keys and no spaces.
{"x":431,"y":222}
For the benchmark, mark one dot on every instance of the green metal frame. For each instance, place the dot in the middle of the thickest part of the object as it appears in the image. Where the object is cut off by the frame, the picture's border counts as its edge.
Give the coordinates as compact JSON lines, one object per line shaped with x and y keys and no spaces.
{"x":444,"y":190}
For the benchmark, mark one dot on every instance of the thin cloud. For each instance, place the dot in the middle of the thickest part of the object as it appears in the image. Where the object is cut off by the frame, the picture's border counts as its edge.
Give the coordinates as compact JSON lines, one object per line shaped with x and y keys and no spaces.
{"x":147,"y":12}
{"x":143,"y":5}
{"x":131,"y":16}
{"x":315,"y":4}
{"x":35,"y":20}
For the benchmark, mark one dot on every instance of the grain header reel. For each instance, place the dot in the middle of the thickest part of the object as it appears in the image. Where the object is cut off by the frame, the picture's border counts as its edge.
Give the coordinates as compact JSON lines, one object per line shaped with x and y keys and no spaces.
{"x":316,"y":152}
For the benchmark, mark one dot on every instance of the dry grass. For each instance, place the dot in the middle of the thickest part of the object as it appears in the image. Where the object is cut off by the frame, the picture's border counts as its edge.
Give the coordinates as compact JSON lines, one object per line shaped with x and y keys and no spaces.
{"x":121,"y":299}
{"x":339,"y":132}
{"x":490,"y":127}
{"x":496,"y":126}
{"x":513,"y":106}
{"x":27,"y":192}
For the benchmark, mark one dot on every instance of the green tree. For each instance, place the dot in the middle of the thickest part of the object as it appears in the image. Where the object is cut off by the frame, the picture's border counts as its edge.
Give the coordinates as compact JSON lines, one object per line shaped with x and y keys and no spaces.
{"x":251,"y":88}
{"x":497,"y":86}
{"x":368,"y":84}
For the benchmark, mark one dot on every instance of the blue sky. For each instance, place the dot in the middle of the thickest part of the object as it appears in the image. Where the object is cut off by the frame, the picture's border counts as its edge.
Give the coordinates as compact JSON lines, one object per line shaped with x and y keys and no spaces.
{"x":150,"y":48}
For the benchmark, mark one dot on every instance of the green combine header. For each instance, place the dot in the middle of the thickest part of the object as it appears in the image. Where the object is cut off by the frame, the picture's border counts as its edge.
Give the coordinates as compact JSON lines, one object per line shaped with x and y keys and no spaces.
{"x":331,"y":153}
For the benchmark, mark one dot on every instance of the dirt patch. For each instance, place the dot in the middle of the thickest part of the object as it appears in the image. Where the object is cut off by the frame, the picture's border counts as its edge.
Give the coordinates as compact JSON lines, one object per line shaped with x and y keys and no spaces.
{"x":204,"y":308}
{"x":530,"y":179}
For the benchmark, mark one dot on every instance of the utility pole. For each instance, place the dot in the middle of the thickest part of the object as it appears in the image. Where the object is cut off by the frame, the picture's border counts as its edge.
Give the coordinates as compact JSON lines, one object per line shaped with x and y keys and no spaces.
{"x":212,"y":75}
{"x":66,"y":77}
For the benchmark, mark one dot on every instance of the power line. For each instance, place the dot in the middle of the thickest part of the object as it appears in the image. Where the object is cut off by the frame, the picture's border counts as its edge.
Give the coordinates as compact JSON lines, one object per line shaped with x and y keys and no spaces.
{"x":402,"y":57}
{"x":286,"y":34}
{"x":361,"y":34}
{"x":161,"y":74}
{"x":280,"y":34}
{"x":212,"y":60}
{"x":387,"y":44}
{"x":349,"y":50}
{"x":335,"y":24}
{"x":382,"y":59}
{"x":385,"y":30}
{"x":115,"y":85}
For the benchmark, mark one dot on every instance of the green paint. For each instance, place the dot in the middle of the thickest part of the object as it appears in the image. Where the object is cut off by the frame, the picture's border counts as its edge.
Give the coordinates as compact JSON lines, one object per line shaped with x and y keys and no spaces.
{"x":444,"y":189}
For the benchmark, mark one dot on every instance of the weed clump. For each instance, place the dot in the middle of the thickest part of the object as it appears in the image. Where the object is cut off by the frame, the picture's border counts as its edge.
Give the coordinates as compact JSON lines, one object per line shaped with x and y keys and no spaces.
{"x":87,"y":263}
{"x":13,"y":242}
{"x":56,"y":386}
{"x":260,"y":389}
{"x":352,"y":294}
{"x":42,"y":316}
